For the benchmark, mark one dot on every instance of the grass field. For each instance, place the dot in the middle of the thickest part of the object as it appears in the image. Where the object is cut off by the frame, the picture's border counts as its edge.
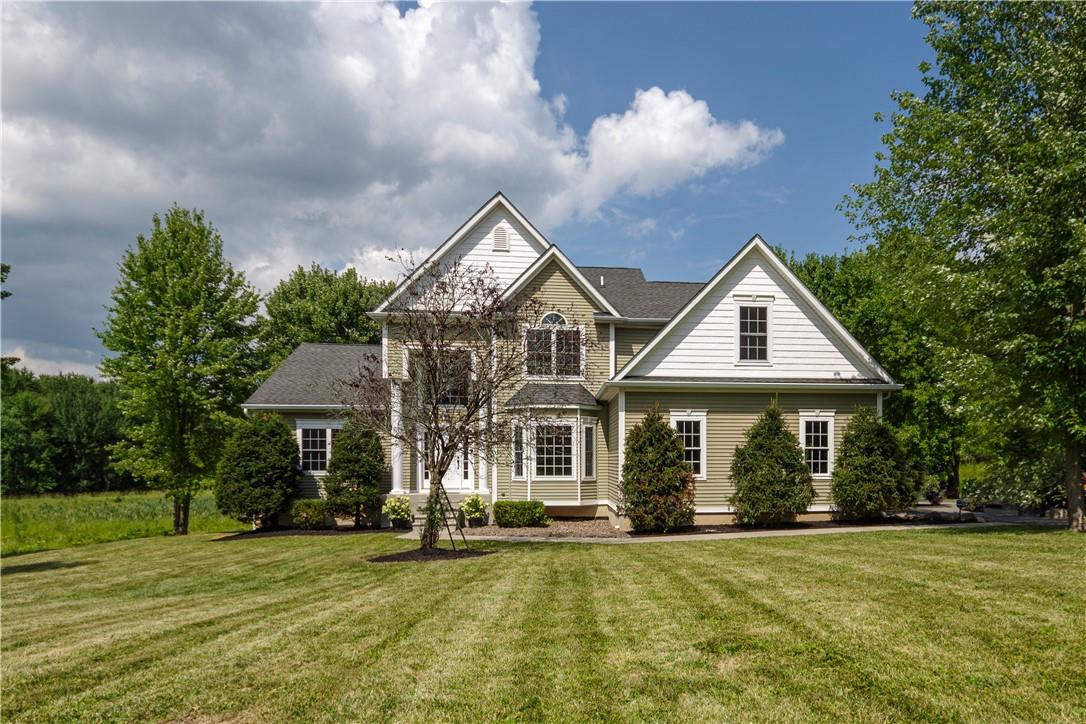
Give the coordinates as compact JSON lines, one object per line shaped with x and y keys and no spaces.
{"x":934,"y":625}
{"x":57,"y":521}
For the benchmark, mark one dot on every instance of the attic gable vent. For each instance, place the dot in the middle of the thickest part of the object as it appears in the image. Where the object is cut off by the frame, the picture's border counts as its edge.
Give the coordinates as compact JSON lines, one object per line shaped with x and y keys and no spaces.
{"x":501,"y":238}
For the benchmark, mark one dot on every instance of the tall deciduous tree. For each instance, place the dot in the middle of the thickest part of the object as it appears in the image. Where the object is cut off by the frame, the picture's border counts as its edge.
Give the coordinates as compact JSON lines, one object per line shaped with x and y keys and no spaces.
{"x":981,"y":193}
{"x":319,"y":305}
{"x":182,"y":329}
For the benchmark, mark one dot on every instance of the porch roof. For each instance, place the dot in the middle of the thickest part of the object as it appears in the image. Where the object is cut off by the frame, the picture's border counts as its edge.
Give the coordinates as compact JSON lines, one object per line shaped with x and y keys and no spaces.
{"x":552,"y":394}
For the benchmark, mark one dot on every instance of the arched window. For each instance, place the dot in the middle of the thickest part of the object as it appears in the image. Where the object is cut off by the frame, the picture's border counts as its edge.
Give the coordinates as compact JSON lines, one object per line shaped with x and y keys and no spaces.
{"x":553,"y":349}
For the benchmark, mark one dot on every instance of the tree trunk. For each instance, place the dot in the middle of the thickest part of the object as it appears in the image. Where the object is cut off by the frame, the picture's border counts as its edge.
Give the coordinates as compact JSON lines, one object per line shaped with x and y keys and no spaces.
{"x":431,"y":531}
{"x":1072,"y":478}
{"x":955,"y":488}
{"x":181,"y":505}
{"x":358,"y":517}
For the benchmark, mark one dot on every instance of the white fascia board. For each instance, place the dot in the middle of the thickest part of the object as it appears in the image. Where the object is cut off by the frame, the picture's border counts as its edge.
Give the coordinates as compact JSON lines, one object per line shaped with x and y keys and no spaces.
{"x":497,"y":199}
{"x":757,"y":242}
{"x":608,"y":389}
{"x":554,"y":253}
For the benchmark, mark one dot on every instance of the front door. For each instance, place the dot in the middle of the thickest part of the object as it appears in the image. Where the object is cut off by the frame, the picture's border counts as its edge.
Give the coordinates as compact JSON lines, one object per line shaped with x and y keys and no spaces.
{"x":458,"y":477}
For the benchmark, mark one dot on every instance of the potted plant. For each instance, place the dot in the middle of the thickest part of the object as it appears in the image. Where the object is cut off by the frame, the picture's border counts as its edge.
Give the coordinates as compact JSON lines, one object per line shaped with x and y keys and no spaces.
{"x":473,"y":508}
{"x":398,"y":511}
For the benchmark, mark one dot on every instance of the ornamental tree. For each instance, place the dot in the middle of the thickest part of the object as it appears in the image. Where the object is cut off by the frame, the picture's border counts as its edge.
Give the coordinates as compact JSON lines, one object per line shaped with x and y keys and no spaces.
{"x":457,"y":354}
{"x":352,"y":488}
{"x":772,"y":482}
{"x":657,"y":483}
{"x":258,"y":473}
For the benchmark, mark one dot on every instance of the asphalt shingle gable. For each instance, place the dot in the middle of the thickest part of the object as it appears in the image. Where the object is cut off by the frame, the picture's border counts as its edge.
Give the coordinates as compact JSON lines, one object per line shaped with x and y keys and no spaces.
{"x":635,"y":297}
{"x":313,"y":374}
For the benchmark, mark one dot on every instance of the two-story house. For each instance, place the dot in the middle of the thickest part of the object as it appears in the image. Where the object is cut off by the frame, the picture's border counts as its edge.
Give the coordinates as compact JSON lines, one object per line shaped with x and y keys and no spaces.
{"x":711,"y":355}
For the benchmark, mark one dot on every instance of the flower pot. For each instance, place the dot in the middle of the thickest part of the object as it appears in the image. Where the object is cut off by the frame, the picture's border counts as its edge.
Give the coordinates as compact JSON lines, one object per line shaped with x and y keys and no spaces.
{"x":401,"y":524}
{"x":476,"y":522}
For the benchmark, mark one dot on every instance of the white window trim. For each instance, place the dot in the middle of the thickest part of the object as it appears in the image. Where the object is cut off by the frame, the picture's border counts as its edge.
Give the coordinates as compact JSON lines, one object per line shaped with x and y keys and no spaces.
{"x":812,"y":415}
{"x":327,"y":425}
{"x":702,"y":417}
{"x":554,"y":349}
{"x":595,"y":449}
{"x":576,"y":458}
{"x":757,"y":300}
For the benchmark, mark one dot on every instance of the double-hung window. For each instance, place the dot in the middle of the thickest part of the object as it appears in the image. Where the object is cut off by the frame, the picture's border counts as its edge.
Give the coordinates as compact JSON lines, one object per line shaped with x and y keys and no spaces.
{"x":816,"y":434}
{"x":691,"y":429}
{"x":554,"y":348}
{"x":554,"y":450}
{"x":588,"y":453}
{"x":314,"y":449}
{"x":518,"y":452}
{"x":753,"y":333}
{"x":315,"y":440}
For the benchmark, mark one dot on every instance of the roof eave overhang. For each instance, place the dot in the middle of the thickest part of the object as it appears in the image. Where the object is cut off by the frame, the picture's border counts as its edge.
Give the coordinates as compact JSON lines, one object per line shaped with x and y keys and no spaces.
{"x":544,"y":406}
{"x":609,"y":389}
{"x":282,"y":406}
{"x":632,"y":321}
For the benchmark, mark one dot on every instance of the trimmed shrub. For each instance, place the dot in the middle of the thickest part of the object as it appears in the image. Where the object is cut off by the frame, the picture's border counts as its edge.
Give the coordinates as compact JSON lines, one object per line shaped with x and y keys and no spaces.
{"x":398,"y":509}
{"x":871,"y":475}
{"x":258,"y":471}
{"x":657,"y":484}
{"x":520,"y":513}
{"x":473,"y":507}
{"x":352,"y":488}
{"x":772,"y":481}
{"x":309,"y":514}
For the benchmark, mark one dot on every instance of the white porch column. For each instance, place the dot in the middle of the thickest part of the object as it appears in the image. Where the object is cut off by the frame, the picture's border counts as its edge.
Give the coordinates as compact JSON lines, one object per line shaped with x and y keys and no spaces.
{"x":483,"y":473}
{"x":397,"y":443}
{"x":621,"y":432}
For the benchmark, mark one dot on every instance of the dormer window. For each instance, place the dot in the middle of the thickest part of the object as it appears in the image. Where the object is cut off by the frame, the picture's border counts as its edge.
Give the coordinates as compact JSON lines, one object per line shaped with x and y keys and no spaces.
{"x":501,"y":238}
{"x":553,"y":348}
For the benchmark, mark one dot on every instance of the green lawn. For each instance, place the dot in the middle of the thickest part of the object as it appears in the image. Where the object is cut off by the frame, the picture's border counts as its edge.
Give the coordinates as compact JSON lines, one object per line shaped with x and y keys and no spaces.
{"x":934,"y":625}
{"x":58,"y":521}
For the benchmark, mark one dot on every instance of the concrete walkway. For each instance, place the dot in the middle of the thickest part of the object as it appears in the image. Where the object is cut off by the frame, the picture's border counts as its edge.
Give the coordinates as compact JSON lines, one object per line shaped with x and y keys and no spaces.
{"x":734,"y":535}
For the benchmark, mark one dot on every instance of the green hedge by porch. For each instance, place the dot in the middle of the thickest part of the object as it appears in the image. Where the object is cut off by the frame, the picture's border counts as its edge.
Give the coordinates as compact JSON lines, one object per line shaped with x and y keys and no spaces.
{"x":520,"y":513}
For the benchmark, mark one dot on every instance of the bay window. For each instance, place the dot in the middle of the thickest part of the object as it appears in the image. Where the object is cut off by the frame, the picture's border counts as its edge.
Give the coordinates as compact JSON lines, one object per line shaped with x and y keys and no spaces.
{"x":554,"y":450}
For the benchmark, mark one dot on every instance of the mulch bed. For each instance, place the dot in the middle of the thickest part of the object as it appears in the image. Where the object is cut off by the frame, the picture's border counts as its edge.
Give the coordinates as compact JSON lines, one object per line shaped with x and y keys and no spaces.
{"x":559,"y":528}
{"x":420,"y":555}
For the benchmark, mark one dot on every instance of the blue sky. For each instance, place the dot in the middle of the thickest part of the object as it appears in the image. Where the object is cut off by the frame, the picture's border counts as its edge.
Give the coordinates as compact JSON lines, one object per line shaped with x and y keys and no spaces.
{"x":651,"y":135}
{"x":818,"y":72}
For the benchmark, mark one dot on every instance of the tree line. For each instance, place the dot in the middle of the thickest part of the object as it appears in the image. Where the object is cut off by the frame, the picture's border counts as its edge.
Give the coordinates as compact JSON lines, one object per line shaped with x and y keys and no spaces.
{"x":67,"y":433}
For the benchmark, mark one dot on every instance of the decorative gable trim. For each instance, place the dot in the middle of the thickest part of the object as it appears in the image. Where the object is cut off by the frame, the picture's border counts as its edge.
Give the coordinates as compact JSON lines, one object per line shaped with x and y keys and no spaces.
{"x":758,"y":243}
{"x":498,"y":199}
{"x":555,"y":254}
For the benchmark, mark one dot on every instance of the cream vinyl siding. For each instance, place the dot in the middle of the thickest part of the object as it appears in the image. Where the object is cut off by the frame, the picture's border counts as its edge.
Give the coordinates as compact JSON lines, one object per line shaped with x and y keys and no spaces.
{"x":629,"y":341}
{"x":611,"y":488}
{"x":311,"y":486}
{"x":556,"y":291}
{"x":730,"y":415}
{"x":801,"y":344}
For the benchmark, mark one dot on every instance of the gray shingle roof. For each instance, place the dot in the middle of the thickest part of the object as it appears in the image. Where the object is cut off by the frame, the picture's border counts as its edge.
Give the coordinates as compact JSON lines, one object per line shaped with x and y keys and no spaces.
{"x":552,"y":394}
{"x":313,"y":374}
{"x":633,"y":296}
